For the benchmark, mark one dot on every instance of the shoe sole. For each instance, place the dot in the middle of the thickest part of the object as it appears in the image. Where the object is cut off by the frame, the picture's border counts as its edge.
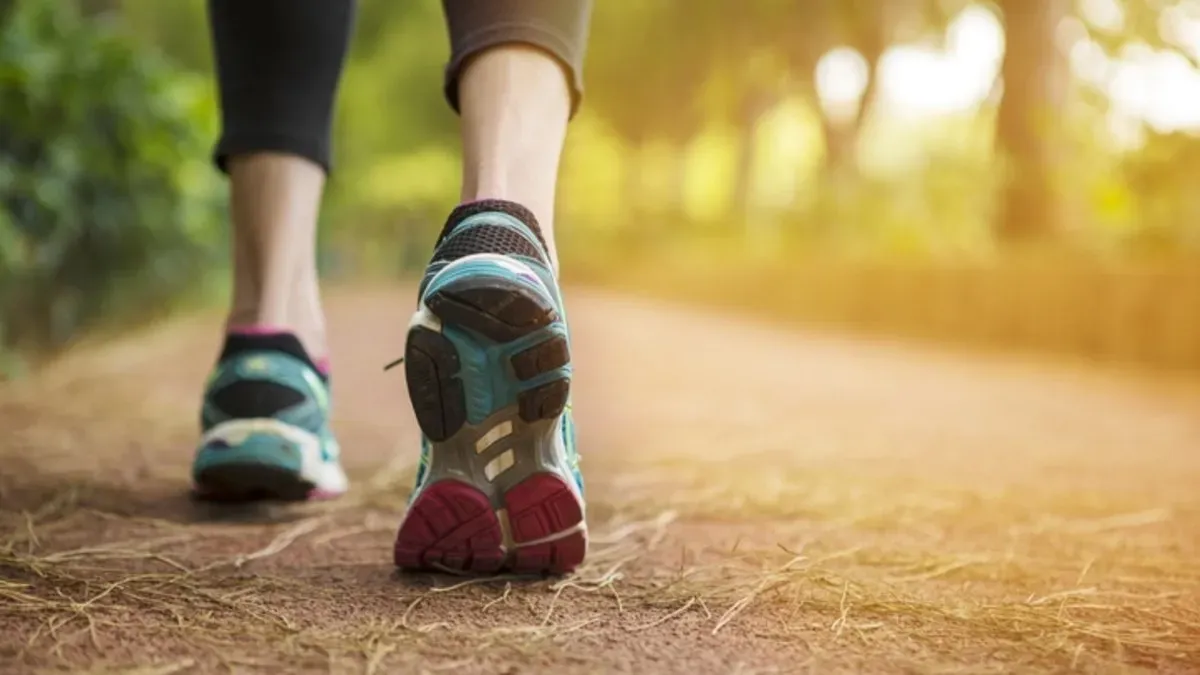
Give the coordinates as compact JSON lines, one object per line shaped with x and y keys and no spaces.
{"x":261,"y":459}
{"x":251,"y":482}
{"x":487,"y":368}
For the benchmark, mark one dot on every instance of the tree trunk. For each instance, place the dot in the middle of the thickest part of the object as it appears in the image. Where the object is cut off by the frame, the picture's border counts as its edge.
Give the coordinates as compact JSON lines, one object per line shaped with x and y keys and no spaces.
{"x":870,"y":40}
{"x":678,"y":185}
{"x":1033,"y":74}
{"x":98,"y":8}
{"x":864,"y":26}
{"x":743,"y":179}
{"x":636,"y":197}
{"x":755,"y":103}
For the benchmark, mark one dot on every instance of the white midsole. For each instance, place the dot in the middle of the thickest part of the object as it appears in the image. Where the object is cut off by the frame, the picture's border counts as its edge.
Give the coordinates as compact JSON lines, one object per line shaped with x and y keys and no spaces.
{"x":426,"y":319}
{"x":508,"y":262}
{"x":325,"y":475}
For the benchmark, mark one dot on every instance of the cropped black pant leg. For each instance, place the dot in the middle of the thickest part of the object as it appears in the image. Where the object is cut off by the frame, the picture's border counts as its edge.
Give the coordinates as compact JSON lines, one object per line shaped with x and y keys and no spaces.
{"x":279,"y":62}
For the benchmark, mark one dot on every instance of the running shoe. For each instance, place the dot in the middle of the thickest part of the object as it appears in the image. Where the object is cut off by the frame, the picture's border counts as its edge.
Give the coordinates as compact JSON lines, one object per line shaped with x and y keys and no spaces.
{"x":488,"y":368}
{"x":265,"y":424}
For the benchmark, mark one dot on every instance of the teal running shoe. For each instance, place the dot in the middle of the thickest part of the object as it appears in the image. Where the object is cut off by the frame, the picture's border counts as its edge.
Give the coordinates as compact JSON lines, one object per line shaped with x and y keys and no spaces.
{"x":265,"y":424}
{"x":488,"y":368}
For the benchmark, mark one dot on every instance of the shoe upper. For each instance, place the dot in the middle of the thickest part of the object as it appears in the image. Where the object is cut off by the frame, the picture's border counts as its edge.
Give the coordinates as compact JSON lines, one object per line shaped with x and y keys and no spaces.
{"x":269,"y":384}
{"x":504,"y":232}
{"x":492,"y":232}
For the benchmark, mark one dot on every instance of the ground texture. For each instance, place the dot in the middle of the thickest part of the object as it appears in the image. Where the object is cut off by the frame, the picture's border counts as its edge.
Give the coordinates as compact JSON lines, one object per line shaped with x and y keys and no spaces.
{"x":761,"y":500}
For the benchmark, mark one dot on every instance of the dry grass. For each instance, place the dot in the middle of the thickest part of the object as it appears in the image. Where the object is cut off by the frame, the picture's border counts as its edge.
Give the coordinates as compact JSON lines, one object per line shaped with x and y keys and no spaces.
{"x":69,"y":602}
{"x":832,"y":590}
{"x":717,"y":563}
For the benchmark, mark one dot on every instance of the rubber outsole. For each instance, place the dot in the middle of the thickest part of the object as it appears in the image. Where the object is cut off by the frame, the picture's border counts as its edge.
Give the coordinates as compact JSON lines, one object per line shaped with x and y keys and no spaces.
{"x":453,"y":527}
{"x":501,"y":315}
{"x":250,"y":482}
{"x":468,"y":518}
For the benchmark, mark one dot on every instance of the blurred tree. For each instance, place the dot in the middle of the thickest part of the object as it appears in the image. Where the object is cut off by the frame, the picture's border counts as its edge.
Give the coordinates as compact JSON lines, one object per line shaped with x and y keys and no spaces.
{"x":1036,"y":79}
{"x":1147,"y":22}
{"x":1163,"y":176}
{"x":178,"y":29}
{"x":1034,"y":74}
{"x":861,"y":25}
{"x":646,"y":67}
{"x":869,"y":28}
{"x":802,"y":34}
{"x":108,"y":208}
{"x":661,"y":75}
{"x":98,"y":8}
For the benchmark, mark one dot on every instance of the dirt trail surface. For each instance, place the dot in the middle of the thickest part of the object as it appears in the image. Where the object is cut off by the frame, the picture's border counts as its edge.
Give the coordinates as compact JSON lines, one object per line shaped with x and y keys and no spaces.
{"x":761,"y":500}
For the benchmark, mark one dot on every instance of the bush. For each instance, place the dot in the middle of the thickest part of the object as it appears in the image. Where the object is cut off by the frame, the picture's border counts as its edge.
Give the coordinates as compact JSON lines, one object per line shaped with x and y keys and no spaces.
{"x":109,"y":209}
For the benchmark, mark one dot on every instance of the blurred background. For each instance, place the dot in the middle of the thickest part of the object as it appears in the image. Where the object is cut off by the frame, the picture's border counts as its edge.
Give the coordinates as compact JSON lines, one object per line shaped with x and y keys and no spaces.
{"x":1021,"y":174}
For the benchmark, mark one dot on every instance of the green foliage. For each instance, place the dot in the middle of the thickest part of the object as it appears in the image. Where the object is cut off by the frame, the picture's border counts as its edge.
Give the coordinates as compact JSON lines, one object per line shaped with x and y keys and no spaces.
{"x":181,"y":30}
{"x":1163,"y":179}
{"x":669,"y":77}
{"x":108,"y":206}
{"x":391,"y":108}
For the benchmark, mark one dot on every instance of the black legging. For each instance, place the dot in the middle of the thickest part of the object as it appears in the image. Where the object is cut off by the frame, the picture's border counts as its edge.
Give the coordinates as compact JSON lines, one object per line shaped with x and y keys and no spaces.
{"x":279,"y":61}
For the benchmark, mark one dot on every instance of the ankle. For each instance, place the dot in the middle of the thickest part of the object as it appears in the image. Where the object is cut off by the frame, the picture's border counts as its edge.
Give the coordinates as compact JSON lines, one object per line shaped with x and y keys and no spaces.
{"x":310,"y":346}
{"x":243,"y":339}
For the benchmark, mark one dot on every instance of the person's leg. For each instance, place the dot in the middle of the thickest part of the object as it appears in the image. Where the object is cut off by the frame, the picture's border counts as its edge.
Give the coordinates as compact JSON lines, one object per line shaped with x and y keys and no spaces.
{"x":515,"y":77}
{"x":265,"y":417}
{"x":514,"y":104}
{"x":488,"y":356}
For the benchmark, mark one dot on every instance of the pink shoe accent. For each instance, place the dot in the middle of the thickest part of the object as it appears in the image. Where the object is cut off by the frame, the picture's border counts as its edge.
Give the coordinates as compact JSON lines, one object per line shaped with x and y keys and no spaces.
{"x":451,"y":526}
{"x":258,"y":329}
{"x":262,"y":330}
{"x":538,"y":507}
{"x":317,"y":494}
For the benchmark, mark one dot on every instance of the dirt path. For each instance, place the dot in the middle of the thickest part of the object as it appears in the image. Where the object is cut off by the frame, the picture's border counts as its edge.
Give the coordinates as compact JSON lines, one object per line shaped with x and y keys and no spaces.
{"x":761,"y":501}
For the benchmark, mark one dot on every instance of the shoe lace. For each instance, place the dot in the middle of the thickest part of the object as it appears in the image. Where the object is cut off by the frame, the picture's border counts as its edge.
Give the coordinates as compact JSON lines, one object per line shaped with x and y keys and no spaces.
{"x":393,"y":364}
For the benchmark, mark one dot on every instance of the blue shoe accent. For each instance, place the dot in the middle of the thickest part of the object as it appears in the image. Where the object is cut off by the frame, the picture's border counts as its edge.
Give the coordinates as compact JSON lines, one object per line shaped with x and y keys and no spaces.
{"x":485,"y":364}
{"x":286,"y":452}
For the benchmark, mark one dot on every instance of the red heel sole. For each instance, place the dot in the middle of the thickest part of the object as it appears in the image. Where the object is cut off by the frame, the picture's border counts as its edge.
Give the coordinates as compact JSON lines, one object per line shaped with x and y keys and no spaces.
{"x":451,"y":526}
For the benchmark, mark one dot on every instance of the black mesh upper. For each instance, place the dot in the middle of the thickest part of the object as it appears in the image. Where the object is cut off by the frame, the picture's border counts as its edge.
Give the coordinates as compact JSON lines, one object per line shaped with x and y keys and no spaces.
{"x":237,"y":344}
{"x":486,"y":238}
{"x":254,"y":398}
{"x":464,"y":211}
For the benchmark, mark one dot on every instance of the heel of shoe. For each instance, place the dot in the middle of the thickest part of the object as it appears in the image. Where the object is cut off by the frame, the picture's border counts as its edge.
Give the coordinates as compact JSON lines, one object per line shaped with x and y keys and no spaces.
{"x":452,"y":527}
